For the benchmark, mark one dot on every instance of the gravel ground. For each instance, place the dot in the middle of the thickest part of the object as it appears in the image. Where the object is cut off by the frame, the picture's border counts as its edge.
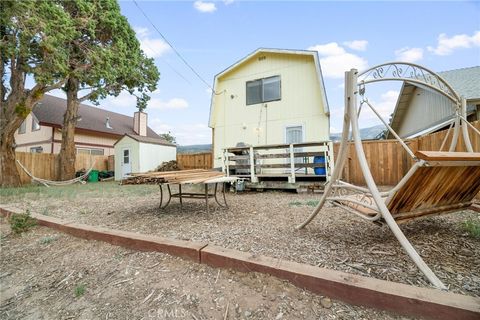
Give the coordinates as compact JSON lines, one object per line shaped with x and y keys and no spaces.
{"x":263,"y":223}
{"x":49,"y":275}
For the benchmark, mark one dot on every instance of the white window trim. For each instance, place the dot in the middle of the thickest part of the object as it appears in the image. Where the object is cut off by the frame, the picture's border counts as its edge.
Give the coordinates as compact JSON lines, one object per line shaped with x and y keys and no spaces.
{"x":35,"y":120}
{"x":263,"y":100}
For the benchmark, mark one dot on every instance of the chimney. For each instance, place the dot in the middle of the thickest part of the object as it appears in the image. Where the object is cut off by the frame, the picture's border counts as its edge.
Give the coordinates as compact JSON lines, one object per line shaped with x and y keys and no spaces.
{"x":140,"y":123}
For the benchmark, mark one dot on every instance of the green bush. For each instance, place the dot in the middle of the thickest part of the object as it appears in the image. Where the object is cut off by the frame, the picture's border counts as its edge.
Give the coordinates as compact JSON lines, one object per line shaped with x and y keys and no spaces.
{"x":79,"y":290}
{"x":473,"y":228}
{"x":21,"y":222}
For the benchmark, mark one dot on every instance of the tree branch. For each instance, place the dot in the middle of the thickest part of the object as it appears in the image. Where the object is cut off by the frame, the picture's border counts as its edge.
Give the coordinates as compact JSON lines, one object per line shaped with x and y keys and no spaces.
{"x":93,"y":92}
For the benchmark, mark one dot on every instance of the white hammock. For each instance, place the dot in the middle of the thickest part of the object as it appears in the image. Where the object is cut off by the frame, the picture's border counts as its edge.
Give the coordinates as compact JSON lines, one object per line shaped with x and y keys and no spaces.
{"x":48,"y":183}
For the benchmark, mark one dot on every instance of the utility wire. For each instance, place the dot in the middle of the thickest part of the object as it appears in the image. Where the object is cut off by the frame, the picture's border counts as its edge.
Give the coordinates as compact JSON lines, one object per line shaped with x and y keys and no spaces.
{"x":173,"y":48}
{"x":168,"y":64}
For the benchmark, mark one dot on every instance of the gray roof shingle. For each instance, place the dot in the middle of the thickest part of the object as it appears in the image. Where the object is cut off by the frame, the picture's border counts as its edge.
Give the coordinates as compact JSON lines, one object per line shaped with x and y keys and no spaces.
{"x":150,"y":140}
{"x":465,"y":81}
{"x":50,"y":111}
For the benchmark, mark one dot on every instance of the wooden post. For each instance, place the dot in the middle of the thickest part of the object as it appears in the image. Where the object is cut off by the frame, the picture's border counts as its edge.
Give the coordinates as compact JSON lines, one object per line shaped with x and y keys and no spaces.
{"x":292,"y":165}
{"x":253,"y":178}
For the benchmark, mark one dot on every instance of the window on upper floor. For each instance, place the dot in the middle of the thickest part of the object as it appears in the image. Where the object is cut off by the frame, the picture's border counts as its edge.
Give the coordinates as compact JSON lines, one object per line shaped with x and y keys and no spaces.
{"x":263,"y":90}
{"x":23,"y":127}
{"x":35,"y":124}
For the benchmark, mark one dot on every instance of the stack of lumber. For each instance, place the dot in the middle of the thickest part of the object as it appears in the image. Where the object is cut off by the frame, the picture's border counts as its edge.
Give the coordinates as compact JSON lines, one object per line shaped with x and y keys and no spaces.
{"x":173,"y":177}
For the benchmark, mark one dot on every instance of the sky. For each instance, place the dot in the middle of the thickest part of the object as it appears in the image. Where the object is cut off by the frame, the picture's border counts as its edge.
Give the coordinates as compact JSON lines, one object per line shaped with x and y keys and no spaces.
{"x":212,"y":35}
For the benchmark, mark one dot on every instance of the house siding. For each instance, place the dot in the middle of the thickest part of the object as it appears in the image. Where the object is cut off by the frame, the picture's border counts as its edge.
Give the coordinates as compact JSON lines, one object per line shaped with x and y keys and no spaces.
{"x":301,"y":103}
{"x":425,"y":109}
{"x":88,"y":141}
{"x":30,"y":139}
{"x":153,"y":155}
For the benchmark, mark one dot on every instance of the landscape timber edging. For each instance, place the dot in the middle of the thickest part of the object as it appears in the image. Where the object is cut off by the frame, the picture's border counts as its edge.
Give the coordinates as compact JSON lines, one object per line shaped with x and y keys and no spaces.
{"x":126,"y":239}
{"x":350,"y":288}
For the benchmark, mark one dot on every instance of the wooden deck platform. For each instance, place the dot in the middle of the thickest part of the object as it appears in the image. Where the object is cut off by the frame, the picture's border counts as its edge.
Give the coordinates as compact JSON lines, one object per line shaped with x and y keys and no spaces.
{"x":281,"y":166}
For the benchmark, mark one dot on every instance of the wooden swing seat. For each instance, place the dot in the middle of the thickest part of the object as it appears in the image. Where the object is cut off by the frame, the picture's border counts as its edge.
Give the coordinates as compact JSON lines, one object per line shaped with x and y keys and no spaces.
{"x":448,"y":182}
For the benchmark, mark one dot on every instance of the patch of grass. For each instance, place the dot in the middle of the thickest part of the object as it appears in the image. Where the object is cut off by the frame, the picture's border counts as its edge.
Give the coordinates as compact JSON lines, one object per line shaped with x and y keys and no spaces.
{"x":295,"y":203}
{"x":47,"y":240}
{"x":312,"y":203}
{"x":75,"y":191}
{"x":473,"y":228}
{"x":21,"y":222}
{"x":80,"y":290}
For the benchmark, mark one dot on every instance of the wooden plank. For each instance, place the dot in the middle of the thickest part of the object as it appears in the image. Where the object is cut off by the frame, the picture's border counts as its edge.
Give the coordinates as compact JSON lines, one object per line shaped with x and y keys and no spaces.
{"x":433,"y":187}
{"x":278,"y":165}
{"x":447,"y":156}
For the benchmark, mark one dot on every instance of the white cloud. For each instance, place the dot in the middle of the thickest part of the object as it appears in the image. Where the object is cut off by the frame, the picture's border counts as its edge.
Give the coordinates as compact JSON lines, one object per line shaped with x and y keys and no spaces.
{"x":174,"y":103}
{"x":409,"y":54}
{"x":158,"y":126}
{"x":360,"y":45}
{"x":205,"y":6}
{"x":153,"y":47}
{"x":335,"y":60}
{"x":446,"y":45}
{"x":384,"y":107}
{"x":186,"y":134}
{"x":329,"y":49}
{"x":124,"y":100}
{"x":228,"y":2}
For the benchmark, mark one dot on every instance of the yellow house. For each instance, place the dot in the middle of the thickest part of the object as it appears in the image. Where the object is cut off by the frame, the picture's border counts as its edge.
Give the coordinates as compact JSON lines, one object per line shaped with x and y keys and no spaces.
{"x":272,"y":96}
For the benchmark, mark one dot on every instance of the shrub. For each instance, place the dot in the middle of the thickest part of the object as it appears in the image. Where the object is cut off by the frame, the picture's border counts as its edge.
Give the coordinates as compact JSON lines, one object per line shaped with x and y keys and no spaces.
{"x":79,"y":290}
{"x":473,"y":228}
{"x":21,"y":222}
{"x":47,"y":240}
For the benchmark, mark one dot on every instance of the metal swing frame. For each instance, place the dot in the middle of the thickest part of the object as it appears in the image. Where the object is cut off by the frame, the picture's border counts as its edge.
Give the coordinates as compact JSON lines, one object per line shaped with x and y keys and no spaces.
{"x":371,"y":198}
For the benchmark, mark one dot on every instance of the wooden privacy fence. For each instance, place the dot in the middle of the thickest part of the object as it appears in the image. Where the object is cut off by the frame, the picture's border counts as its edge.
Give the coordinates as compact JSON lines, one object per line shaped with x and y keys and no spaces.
{"x":202,"y":160}
{"x":46,"y":165}
{"x":389,"y":162}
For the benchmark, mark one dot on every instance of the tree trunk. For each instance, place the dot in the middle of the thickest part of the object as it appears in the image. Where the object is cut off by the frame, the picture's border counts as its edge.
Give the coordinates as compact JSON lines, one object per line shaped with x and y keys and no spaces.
{"x":12,"y":113}
{"x":67,"y":152}
{"x":9,"y":176}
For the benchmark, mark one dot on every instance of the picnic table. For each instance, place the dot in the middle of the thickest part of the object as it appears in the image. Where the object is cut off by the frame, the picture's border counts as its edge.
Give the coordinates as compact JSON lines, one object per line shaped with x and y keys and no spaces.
{"x":185,"y":177}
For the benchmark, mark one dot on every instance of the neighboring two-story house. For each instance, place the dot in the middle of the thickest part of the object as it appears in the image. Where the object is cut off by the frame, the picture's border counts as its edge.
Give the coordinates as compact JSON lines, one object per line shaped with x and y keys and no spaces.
{"x":96,"y":132}
{"x":272,"y":96}
{"x":420,"y":111}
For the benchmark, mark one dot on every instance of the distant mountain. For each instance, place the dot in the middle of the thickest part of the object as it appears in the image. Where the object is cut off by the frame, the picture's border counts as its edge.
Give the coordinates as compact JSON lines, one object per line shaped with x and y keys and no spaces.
{"x":371,"y":133}
{"x":195,"y":148}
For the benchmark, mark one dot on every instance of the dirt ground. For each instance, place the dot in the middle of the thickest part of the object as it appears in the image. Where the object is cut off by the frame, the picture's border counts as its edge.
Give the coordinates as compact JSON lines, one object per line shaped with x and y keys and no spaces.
{"x":263,"y":223}
{"x":49,"y":275}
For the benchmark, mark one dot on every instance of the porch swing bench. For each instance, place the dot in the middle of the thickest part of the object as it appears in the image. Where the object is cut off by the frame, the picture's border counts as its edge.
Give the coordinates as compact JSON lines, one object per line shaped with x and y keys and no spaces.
{"x":438,"y":182}
{"x":446,"y":182}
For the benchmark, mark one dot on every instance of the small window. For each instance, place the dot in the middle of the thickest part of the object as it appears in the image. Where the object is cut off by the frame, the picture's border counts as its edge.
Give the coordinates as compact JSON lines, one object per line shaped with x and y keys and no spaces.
{"x":93,"y":152}
{"x":263,"y":90}
{"x":36,"y":150}
{"x":96,"y":152}
{"x":23,"y":127}
{"x":126,"y":156}
{"x":35,"y":124}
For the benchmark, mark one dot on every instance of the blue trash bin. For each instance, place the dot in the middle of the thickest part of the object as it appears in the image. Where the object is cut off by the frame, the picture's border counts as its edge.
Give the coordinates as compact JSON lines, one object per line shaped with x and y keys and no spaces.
{"x":320,"y":171}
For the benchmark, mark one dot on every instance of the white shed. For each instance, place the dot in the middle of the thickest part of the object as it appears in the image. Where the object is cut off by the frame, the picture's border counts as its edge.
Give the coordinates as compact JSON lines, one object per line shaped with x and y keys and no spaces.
{"x":136,"y":153}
